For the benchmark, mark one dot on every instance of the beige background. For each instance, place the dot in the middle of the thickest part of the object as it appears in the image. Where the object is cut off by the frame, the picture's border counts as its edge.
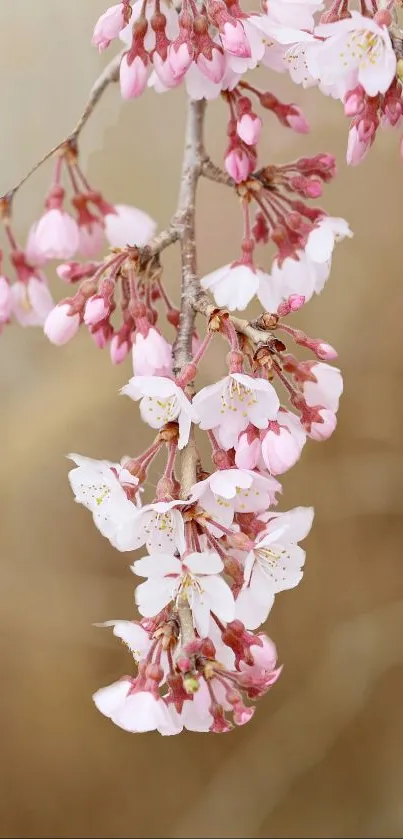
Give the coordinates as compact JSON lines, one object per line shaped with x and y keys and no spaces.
{"x":323,"y":754}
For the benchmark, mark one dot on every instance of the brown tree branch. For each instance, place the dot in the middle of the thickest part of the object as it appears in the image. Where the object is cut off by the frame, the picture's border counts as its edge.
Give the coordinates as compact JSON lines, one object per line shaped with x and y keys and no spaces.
{"x":204,"y":306}
{"x":109,"y":75}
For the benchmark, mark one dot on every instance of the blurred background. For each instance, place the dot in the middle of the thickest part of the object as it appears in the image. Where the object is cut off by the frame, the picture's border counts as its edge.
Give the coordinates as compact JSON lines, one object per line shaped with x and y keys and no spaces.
{"x":322,"y":757}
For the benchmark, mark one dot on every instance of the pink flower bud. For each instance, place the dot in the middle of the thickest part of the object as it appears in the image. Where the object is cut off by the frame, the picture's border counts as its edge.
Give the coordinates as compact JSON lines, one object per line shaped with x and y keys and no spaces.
{"x":102,"y":334}
{"x":281,"y":448}
{"x":238,"y":165}
{"x":118,"y":350}
{"x":249,"y":128}
{"x":234,"y":40}
{"x":95,"y":310}
{"x":108,"y":26}
{"x":60,"y":326}
{"x":5,"y":300}
{"x":133,"y":77}
{"x":55,"y":236}
{"x":247,"y":453}
{"x":296,"y":120}
{"x":212,"y":66}
{"x":164,"y":71}
{"x":325,"y":351}
{"x":356,"y":148}
{"x":92,"y":238}
{"x":353,"y":104}
{"x":323,"y":430}
{"x":180,"y":58}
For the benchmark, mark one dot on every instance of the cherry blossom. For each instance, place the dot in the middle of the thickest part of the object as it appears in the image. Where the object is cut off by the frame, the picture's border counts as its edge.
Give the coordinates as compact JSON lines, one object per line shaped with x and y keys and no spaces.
{"x":323,"y":385}
{"x":196,"y":577}
{"x":103,"y":488}
{"x":231,"y":491}
{"x":159,"y":526}
{"x":232,"y":403}
{"x":61,"y":325}
{"x":234,"y":285}
{"x":55,"y":235}
{"x":354,"y":44}
{"x":274,"y":564}
{"x":31,"y":301}
{"x":128,"y":226}
{"x":109,"y":25}
{"x":136,"y":711}
{"x":152,"y":355}
{"x":162,"y":401}
{"x":282,"y":443}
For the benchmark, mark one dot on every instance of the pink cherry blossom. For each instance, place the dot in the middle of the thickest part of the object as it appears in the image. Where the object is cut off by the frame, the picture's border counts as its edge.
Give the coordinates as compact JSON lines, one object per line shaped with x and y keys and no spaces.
{"x":197,"y":575}
{"x":357,"y":147}
{"x":282,"y":443}
{"x":273,"y":565}
{"x":92,"y":239}
{"x":324,"y":386}
{"x":108,"y":26}
{"x":162,"y":401}
{"x":232,"y":403}
{"x":61,"y":325}
{"x":234,"y":39}
{"x":31,"y":301}
{"x":118,"y":349}
{"x":6,"y":300}
{"x":238,"y":165}
{"x":95,"y":310}
{"x":55,"y":235}
{"x":233,"y":285}
{"x":231,"y":491}
{"x":247,"y":453}
{"x":128,"y":226}
{"x":324,"y":429}
{"x":133,"y":77}
{"x":249,"y":128}
{"x":152,"y":355}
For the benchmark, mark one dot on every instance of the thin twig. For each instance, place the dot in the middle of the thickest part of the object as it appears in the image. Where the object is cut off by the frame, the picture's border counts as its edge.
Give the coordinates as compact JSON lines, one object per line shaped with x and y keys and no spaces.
{"x":204,"y":306}
{"x":212,"y":172}
{"x":109,"y":75}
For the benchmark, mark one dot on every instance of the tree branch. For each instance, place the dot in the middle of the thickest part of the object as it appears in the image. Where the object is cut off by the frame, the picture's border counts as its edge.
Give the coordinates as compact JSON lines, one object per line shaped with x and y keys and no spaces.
{"x":109,"y":75}
{"x":185,"y":222}
{"x":204,"y":306}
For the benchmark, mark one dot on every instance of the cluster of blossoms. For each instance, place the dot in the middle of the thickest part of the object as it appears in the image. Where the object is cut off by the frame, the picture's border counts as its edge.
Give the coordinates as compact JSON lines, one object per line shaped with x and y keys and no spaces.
{"x":218,"y":550}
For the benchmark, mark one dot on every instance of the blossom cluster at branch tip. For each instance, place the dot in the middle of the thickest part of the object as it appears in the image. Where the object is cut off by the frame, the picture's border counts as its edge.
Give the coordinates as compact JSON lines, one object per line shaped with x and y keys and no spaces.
{"x":201,"y":501}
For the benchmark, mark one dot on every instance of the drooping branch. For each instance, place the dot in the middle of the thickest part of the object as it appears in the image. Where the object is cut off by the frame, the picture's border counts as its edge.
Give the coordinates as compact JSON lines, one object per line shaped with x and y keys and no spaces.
{"x":108,"y":76}
{"x":185,"y":221}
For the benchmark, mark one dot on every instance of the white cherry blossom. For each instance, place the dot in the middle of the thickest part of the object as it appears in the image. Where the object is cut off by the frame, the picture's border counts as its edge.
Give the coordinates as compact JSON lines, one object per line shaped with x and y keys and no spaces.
{"x":231,"y":491}
{"x":322,"y":239}
{"x":162,"y":401}
{"x":233,"y":285}
{"x":232,"y":403}
{"x":273,"y":565}
{"x":159,"y":526}
{"x":136,"y":711}
{"x":197,"y":575}
{"x":358,"y":45}
{"x":100,"y":486}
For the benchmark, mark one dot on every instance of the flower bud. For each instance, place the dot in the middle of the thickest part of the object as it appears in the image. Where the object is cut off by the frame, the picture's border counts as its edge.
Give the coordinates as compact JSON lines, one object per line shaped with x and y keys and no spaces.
{"x":61,"y":326}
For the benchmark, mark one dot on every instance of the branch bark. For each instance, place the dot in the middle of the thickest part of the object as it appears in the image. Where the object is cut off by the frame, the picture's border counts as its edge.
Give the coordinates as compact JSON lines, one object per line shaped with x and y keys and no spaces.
{"x":185,"y":223}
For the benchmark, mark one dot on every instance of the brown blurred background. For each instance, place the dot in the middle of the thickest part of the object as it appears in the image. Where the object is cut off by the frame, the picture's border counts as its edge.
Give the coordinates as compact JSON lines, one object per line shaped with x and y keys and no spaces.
{"x":322,"y":757}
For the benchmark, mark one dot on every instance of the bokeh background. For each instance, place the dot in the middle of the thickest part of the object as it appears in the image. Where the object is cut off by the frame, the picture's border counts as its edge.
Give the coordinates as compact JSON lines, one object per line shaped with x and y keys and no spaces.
{"x":323,"y":755}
